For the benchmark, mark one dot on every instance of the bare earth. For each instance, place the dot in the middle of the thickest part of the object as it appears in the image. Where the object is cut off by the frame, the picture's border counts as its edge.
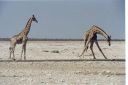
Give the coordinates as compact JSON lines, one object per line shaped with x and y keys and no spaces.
{"x":62,"y":72}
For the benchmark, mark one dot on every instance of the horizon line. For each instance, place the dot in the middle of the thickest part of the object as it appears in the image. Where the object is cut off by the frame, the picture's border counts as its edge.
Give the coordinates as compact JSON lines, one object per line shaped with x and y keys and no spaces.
{"x":59,"y":39}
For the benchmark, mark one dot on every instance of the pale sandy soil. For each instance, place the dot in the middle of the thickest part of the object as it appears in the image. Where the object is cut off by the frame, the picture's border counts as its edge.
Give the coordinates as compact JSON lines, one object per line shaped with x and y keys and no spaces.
{"x":37,"y":50}
{"x":63,"y":72}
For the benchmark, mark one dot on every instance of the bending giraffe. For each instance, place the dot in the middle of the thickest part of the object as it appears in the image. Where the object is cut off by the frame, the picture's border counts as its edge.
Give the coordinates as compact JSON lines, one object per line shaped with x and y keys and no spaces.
{"x":91,"y":37}
{"x":21,"y":38}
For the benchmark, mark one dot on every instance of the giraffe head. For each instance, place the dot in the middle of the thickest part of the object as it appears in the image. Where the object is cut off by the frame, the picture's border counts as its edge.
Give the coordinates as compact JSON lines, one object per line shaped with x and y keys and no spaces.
{"x":34,"y":19}
{"x":109,"y":39}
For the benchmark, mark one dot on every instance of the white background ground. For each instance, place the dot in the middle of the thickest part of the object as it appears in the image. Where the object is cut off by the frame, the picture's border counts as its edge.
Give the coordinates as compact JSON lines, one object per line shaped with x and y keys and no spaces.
{"x":63,"y":72}
{"x":37,"y":50}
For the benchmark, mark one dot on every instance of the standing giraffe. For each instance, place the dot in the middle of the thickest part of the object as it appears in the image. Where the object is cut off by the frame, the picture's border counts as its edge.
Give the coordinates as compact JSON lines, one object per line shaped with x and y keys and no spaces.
{"x":21,"y":38}
{"x":91,"y":37}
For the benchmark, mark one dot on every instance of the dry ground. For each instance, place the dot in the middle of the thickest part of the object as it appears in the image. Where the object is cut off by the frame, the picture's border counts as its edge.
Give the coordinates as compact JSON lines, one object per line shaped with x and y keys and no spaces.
{"x":62,"y":72}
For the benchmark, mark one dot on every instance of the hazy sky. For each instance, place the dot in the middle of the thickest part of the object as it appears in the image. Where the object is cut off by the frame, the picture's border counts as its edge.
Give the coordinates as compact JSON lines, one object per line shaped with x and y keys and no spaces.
{"x":62,"y":18}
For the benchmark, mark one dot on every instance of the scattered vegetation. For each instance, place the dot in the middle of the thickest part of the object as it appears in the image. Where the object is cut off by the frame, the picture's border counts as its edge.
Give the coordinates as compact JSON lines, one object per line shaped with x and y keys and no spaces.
{"x":55,"y":51}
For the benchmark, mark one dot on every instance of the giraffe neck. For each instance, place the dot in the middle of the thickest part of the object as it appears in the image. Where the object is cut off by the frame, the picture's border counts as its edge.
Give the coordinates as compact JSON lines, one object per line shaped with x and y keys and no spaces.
{"x":101,"y":32}
{"x":27,"y":27}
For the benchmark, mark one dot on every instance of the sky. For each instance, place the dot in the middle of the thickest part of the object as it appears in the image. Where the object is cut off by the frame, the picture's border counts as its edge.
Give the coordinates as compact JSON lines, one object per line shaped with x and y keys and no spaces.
{"x":62,"y":19}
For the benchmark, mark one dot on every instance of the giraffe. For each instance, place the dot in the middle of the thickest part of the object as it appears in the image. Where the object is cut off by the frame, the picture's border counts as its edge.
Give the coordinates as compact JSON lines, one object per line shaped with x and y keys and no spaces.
{"x":91,"y":37}
{"x":21,"y":38}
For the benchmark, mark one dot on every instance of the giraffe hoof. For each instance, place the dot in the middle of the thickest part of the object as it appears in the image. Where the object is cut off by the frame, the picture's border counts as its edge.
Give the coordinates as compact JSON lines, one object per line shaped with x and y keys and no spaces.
{"x":24,"y":58}
{"x":13,"y":59}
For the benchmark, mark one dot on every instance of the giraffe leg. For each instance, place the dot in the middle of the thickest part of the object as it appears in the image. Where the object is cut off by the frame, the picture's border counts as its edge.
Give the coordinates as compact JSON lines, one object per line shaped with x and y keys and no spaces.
{"x":24,"y":51}
{"x":13,"y":54}
{"x":24,"y":47}
{"x":82,"y":54}
{"x":86,"y":41}
{"x":10,"y":49}
{"x":85,"y":47}
{"x":91,"y":47}
{"x":100,"y":49}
